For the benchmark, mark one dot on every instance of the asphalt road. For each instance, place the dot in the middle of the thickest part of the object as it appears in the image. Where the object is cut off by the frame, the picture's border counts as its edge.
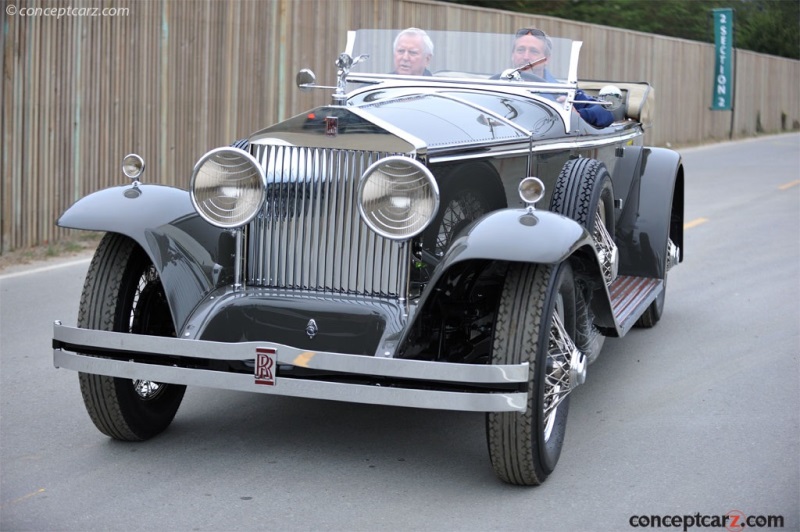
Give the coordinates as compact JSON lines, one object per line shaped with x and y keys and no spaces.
{"x":699,"y":416}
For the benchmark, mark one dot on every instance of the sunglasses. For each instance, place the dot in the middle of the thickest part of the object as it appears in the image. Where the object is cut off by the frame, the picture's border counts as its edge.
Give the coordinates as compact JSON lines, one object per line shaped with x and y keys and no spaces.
{"x":530,"y":31}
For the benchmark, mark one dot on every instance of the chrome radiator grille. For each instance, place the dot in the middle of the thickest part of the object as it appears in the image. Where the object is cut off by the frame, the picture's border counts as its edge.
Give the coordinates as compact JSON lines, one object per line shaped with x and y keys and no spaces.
{"x":309,"y":234}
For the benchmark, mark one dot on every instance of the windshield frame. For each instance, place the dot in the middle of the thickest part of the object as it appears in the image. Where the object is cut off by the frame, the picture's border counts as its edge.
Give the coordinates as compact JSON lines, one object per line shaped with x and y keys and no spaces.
{"x":372,"y":55}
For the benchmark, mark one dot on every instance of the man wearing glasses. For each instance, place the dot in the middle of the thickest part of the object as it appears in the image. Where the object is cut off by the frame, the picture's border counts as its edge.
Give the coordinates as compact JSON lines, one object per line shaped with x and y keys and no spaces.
{"x":530,"y":45}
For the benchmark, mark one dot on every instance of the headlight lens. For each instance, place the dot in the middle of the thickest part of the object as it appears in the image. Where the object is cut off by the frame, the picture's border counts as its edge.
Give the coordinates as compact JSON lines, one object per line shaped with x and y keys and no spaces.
{"x":398,"y":197}
{"x":531,"y":190}
{"x":133,"y":166}
{"x":228,"y":187}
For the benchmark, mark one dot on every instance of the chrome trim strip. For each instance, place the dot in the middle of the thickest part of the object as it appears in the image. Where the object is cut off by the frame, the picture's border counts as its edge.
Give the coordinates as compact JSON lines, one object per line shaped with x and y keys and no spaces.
{"x":433,"y":81}
{"x":320,"y":360}
{"x":577,"y":143}
{"x":480,"y":155}
{"x":238,"y":259}
{"x":334,"y":391}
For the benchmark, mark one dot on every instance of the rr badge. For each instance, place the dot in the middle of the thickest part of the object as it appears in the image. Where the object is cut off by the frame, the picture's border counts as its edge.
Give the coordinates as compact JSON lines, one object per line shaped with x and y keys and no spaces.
{"x":331,"y":126}
{"x":265,"y":366}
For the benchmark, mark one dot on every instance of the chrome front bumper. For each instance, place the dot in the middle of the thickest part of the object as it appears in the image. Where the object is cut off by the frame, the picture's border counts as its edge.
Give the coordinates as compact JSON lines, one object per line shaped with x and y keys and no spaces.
{"x":384,"y":381}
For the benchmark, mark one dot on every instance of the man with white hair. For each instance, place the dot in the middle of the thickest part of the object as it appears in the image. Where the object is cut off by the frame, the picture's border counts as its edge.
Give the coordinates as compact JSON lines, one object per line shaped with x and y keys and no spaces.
{"x":413,"y":50}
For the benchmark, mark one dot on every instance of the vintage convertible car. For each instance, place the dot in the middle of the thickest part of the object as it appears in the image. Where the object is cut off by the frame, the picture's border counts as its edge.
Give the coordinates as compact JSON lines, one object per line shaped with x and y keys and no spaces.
{"x":457,"y":241}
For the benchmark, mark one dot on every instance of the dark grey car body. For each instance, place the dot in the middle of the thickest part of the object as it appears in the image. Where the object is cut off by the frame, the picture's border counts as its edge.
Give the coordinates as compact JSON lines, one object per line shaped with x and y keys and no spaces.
{"x":352,"y":315}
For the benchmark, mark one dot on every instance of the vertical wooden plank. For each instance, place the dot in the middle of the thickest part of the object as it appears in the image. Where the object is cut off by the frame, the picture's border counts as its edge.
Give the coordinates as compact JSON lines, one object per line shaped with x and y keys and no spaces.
{"x":44,"y":192}
{"x":10,"y":60}
{"x":174,"y":79}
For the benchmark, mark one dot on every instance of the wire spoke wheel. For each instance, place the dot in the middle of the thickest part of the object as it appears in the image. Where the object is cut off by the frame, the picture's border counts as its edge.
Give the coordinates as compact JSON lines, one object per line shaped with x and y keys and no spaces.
{"x":464,"y":207}
{"x":142,"y":322}
{"x":535,"y":323}
{"x":557,"y":379}
{"x":123,"y":293}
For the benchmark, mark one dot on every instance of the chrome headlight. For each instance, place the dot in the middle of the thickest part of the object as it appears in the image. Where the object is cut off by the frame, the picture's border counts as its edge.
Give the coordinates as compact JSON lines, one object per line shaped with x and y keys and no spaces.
{"x":228,"y":187}
{"x":531,"y":190}
{"x":133,"y":166}
{"x":398,"y":197}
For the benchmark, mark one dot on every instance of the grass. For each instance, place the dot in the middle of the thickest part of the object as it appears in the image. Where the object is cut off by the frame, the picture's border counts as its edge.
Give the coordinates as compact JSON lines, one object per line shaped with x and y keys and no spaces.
{"x":80,"y":243}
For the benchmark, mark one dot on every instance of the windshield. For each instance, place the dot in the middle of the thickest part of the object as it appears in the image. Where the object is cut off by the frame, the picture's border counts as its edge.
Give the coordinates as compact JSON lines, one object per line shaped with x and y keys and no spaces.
{"x":456,"y":54}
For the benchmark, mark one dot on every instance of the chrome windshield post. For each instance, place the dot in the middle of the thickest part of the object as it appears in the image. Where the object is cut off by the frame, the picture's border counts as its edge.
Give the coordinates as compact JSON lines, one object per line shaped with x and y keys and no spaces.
{"x":238,"y":259}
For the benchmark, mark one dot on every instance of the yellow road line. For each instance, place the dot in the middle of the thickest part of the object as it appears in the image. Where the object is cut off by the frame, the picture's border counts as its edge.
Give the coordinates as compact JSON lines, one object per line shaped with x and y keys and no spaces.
{"x":695,"y":223}
{"x":787,"y":186}
{"x":28,"y":496}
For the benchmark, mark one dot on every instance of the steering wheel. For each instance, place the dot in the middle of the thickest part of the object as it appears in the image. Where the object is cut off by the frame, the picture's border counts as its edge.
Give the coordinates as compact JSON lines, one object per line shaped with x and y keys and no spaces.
{"x":526,"y":76}
{"x":534,"y":77}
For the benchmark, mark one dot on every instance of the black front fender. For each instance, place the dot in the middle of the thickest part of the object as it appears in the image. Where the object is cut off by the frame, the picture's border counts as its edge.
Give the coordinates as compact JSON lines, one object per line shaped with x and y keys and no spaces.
{"x":191,"y":256}
{"x":516,"y":235}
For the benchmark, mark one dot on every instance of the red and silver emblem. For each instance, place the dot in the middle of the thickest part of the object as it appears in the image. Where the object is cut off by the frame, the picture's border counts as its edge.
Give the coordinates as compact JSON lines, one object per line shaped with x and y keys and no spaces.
{"x":265,"y":366}
{"x":331,"y":126}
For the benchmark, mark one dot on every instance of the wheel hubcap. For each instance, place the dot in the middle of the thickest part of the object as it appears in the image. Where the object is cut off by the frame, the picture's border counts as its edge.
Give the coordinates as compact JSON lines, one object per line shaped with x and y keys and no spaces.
{"x":606,"y":248}
{"x":146,"y":295}
{"x":566,"y":369}
{"x":147,"y":389}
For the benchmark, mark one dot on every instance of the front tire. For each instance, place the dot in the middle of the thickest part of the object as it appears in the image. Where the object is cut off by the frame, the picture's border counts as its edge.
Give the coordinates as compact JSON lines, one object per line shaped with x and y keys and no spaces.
{"x":524,"y":447}
{"x":123,"y":293}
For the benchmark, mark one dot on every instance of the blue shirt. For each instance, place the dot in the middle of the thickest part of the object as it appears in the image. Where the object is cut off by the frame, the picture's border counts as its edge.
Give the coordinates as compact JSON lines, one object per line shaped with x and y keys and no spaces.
{"x":596,"y":115}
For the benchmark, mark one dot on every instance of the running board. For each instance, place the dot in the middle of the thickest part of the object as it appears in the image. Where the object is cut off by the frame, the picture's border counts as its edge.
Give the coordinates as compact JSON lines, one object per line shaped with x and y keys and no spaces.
{"x":630,"y":297}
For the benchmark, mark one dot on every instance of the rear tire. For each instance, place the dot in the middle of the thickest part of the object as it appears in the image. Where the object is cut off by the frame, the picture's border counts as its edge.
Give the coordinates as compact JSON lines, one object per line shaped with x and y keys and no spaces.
{"x":582,"y":190}
{"x":524,"y":447}
{"x":123,"y":293}
{"x":653,"y":313}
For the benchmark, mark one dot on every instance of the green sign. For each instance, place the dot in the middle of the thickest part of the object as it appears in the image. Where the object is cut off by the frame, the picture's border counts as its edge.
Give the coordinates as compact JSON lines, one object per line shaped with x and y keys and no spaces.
{"x":723,"y":64}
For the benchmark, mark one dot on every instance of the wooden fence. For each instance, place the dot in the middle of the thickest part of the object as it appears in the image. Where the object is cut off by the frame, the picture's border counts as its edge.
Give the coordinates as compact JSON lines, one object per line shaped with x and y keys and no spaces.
{"x":86,"y":82}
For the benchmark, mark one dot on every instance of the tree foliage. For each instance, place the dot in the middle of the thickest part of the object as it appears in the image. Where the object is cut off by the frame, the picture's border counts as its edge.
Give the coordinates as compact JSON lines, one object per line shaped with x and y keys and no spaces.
{"x":765,"y":26}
